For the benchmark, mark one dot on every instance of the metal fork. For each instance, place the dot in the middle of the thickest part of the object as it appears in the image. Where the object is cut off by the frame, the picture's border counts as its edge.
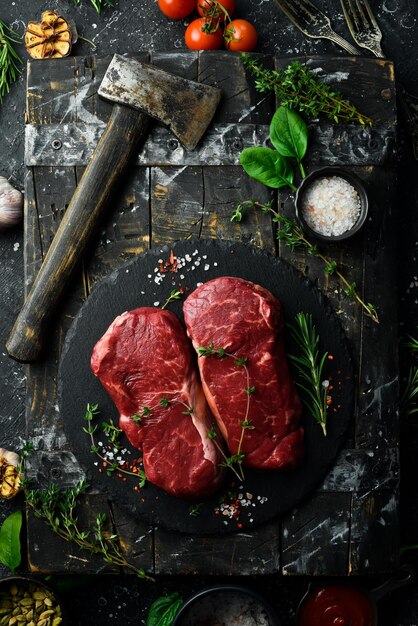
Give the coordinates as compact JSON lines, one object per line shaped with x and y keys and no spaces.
{"x":363,"y":26}
{"x":313,"y":23}
{"x":366,"y":33}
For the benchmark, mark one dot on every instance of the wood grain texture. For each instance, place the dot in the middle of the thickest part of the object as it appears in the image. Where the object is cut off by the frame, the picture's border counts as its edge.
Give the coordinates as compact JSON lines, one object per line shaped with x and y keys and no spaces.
{"x":172,"y":194}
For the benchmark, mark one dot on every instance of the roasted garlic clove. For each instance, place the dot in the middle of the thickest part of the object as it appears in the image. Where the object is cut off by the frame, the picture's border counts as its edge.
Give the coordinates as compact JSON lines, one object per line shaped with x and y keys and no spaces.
{"x":51,"y":38}
{"x":10,"y":482}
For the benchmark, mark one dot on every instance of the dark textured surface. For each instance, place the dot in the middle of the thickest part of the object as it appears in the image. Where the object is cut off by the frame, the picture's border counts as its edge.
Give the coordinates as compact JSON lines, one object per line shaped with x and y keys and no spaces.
{"x":139,"y":27}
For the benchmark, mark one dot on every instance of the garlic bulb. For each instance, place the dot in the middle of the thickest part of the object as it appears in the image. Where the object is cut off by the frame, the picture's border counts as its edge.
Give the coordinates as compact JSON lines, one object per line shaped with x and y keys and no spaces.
{"x":11,"y":204}
{"x":10,"y":483}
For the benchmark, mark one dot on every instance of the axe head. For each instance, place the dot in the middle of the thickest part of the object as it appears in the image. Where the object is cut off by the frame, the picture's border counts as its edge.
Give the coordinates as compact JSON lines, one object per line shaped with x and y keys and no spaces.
{"x":185,"y":106}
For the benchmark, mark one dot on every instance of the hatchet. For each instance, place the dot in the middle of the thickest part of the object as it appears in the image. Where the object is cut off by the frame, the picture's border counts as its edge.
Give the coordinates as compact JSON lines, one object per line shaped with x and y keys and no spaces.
{"x":140,"y":92}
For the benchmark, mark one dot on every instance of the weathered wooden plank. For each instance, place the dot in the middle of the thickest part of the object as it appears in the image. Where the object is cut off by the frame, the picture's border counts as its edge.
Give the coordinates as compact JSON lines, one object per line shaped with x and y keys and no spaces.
{"x":224,"y":188}
{"x":54,"y":190}
{"x":184,"y":64}
{"x":125,"y":229}
{"x":57,"y":466}
{"x":73,"y":144}
{"x":361,"y":470}
{"x":374,"y":538}
{"x":33,"y":247}
{"x":171,"y":188}
{"x":377,"y":420}
{"x":247,"y":554}
{"x":240,"y":102}
{"x":137,"y":539}
{"x":51,"y":98}
{"x":315,"y":537}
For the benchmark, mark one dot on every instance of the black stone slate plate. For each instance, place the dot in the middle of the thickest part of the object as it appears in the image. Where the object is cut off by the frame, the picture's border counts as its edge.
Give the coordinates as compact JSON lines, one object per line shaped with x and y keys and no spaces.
{"x":133,"y":285}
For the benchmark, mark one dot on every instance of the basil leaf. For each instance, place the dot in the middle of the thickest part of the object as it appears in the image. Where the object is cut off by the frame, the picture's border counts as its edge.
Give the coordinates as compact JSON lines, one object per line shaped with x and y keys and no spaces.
{"x":289,"y":133}
{"x":163,"y":611}
{"x":10,"y":552}
{"x":267,"y":166}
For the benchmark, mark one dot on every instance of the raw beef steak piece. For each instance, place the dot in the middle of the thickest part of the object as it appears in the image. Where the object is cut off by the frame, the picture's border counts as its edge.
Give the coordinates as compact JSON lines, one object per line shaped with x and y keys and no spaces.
{"x":246,"y":321}
{"x":145,"y":357}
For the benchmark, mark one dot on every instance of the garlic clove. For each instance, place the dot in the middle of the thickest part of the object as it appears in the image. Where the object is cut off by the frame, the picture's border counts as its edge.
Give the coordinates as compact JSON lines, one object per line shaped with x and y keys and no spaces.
{"x":11,"y":204}
{"x":12,"y":458}
{"x":10,"y":480}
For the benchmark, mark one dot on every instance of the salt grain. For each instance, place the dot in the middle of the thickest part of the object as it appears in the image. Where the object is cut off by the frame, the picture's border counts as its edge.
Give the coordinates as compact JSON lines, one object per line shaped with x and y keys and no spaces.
{"x":331,"y":205}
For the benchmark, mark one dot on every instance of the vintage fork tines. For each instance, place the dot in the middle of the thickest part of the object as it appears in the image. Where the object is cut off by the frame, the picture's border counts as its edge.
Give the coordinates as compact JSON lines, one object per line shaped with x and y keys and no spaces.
{"x":313,"y":22}
{"x":366,"y":33}
{"x":363,"y":26}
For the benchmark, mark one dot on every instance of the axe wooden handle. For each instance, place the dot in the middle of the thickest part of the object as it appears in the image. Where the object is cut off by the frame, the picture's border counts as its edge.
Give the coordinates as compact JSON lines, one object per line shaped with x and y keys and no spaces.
{"x":119,"y":142}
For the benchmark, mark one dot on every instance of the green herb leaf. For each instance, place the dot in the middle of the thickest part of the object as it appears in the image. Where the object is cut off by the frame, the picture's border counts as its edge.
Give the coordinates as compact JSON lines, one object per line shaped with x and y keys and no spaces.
{"x":268,"y":167}
{"x":98,"y":4}
{"x":163,"y":611}
{"x":289,"y":133}
{"x":211,"y":433}
{"x":10,"y":549}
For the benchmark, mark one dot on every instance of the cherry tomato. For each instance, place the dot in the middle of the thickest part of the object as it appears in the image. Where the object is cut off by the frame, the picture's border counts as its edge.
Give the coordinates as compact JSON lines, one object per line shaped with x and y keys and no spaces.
{"x":196,"y":39}
{"x":205,"y":7}
{"x":240,"y":36}
{"x":177,"y":9}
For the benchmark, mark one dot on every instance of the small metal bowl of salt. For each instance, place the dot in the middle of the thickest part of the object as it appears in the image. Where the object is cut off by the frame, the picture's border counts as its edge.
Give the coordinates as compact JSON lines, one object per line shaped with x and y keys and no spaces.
{"x":227,"y":605}
{"x":331,"y":204}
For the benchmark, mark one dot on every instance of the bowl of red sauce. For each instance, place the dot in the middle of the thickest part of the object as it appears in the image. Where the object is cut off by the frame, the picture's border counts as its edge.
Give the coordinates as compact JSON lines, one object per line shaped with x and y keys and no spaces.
{"x":345,"y":604}
{"x":337,"y":605}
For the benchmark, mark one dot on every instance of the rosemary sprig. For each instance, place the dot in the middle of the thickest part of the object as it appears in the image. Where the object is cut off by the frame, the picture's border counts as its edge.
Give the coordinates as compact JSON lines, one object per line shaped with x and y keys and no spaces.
{"x":99,"y":5}
{"x":298,"y":88}
{"x":409,"y":396}
{"x":57,"y":507}
{"x":9,"y":59}
{"x":293,"y":237}
{"x":234,"y":461}
{"x":310,"y":366}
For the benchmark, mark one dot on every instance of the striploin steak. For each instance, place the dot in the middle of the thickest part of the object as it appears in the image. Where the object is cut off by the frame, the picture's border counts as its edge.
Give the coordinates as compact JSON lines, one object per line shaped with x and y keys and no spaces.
{"x":146,"y":364}
{"x":246,"y":377}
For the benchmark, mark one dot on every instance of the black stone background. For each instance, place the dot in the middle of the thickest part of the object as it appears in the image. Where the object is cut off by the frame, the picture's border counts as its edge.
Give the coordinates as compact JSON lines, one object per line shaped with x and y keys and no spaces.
{"x":131,"y":26}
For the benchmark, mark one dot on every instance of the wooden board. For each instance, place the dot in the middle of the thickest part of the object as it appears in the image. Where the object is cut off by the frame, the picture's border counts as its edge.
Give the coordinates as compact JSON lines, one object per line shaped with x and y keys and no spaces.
{"x":170,"y":194}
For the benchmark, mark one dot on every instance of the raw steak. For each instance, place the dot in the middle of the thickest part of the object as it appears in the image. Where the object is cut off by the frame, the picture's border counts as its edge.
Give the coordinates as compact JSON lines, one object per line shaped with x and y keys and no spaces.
{"x":246,"y":320}
{"x":145,"y":357}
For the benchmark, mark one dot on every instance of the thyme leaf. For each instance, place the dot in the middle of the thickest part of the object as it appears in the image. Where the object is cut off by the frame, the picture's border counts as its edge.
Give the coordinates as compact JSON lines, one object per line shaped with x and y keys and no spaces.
{"x":99,"y":5}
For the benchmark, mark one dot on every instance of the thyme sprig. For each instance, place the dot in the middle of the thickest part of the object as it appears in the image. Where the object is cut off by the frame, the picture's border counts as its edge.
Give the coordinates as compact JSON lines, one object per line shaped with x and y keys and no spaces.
{"x":113,"y":433}
{"x":298,"y":88}
{"x":99,"y":5}
{"x":57,"y":507}
{"x":9,"y":59}
{"x":293,"y":237}
{"x":234,"y":461}
{"x":175,"y":294}
{"x":310,"y":366}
